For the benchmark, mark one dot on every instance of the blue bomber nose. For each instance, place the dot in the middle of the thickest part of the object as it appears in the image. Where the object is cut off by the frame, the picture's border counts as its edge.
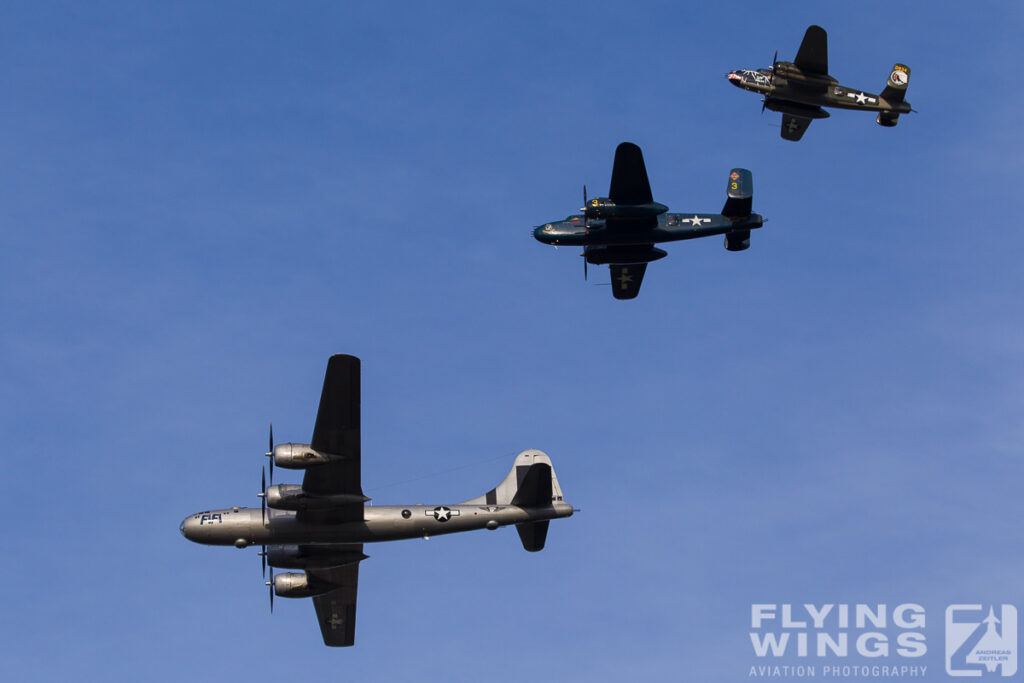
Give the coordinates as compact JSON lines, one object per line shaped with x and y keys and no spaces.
{"x":543,"y":233}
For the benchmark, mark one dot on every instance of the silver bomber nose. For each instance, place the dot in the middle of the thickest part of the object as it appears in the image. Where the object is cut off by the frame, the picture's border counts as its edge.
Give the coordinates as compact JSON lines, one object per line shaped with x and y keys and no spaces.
{"x":187,"y":527}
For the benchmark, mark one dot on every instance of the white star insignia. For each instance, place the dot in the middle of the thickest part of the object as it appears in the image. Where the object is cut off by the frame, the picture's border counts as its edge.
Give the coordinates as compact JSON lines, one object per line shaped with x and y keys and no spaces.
{"x":696,"y":221}
{"x":861,"y":98}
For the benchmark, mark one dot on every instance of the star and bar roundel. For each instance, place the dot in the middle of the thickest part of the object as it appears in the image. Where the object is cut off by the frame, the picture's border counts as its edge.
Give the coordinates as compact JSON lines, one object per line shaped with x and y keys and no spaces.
{"x":442,"y":513}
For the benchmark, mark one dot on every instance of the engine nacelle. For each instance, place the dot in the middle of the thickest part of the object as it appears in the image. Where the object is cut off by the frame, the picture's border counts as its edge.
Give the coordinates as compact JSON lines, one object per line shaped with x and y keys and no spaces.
{"x":737,"y":240}
{"x":601,"y":255}
{"x":807,"y":111}
{"x":293,"y":497}
{"x":602,"y":207}
{"x":299,"y":456}
{"x":313,"y":556}
{"x":598,"y":207}
{"x":297,"y":585}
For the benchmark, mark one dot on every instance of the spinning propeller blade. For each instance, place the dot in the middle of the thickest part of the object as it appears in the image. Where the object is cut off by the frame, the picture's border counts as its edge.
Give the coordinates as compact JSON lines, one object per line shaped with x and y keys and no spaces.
{"x":586,"y":229}
{"x":270,"y":453}
{"x":271,"y":584}
{"x":775,"y":60}
{"x":263,"y":494}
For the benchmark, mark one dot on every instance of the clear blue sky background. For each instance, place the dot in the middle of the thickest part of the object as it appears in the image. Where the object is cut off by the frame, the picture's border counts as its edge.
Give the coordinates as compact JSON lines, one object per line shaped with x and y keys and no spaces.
{"x":199,"y":203}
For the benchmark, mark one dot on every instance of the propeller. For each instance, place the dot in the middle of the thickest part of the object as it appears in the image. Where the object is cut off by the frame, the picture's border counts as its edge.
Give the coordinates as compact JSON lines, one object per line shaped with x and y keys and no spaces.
{"x":775,"y":60}
{"x":271,"y":584}
{"x":270,"y":453}
{"x":586,"y":229}
{"x":263,"y":507}
{"x":263,"y":494}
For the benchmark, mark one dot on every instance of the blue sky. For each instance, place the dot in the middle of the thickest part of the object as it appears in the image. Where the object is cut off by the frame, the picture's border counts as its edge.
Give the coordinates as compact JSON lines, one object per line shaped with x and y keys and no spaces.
{"x":199,"y":204}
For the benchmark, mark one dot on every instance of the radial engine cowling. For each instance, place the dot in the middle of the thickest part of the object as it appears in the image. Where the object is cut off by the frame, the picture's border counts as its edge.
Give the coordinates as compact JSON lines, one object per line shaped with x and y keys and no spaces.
{"x":299,"y":456}
{"x":297,"y":585}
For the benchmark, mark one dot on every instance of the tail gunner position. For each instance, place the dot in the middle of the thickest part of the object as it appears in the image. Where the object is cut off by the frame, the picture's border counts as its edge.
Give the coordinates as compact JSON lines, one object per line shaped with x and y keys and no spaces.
{"x":799,"y":89}
{"x":321,"y":525}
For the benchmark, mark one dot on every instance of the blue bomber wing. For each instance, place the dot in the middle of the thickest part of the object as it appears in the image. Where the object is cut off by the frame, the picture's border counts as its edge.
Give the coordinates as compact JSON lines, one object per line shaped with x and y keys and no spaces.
{"x":626,"y":279}
{"x":629,"y":177}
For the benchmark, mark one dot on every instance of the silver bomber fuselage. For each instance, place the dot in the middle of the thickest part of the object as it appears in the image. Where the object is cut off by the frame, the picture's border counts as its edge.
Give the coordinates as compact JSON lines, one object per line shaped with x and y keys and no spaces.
{"x":245,"y":526}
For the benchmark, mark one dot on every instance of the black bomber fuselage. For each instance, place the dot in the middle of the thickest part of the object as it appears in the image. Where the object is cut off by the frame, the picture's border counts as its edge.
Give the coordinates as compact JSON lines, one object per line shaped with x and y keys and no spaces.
{"x":791,"y":91}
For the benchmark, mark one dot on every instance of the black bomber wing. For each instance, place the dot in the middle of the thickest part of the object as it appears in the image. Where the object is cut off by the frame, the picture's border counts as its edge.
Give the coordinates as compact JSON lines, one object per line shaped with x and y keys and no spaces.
{"x":336,"y":609}
{"x":794,"y":127}
{"x":629,"y":177}
{"x":812,"y":58}
{"x":626,"y":279}
{"x":337,"y":433}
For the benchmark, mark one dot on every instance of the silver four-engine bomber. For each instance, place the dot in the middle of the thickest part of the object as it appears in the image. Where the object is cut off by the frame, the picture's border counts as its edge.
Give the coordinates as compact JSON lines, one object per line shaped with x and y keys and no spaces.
{"x":320,"y":527}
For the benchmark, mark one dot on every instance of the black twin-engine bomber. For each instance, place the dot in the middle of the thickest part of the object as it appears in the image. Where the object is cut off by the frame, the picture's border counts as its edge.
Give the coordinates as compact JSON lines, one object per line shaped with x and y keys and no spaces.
{"x":621,"y":229}
{"x":799,"y":89}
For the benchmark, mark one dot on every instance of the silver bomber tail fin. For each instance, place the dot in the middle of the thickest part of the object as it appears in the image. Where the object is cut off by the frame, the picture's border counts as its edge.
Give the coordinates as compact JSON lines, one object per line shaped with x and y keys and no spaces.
{"x":531,"y":483}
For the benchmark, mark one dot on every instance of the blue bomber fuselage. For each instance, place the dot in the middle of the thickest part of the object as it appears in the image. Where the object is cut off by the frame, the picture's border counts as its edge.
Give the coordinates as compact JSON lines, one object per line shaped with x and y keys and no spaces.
{"x":671,"y":227}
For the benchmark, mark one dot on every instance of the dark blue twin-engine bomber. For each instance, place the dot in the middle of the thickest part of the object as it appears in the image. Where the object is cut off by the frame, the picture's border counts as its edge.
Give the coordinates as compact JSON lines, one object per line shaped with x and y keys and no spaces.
{"x":621,"y":229}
